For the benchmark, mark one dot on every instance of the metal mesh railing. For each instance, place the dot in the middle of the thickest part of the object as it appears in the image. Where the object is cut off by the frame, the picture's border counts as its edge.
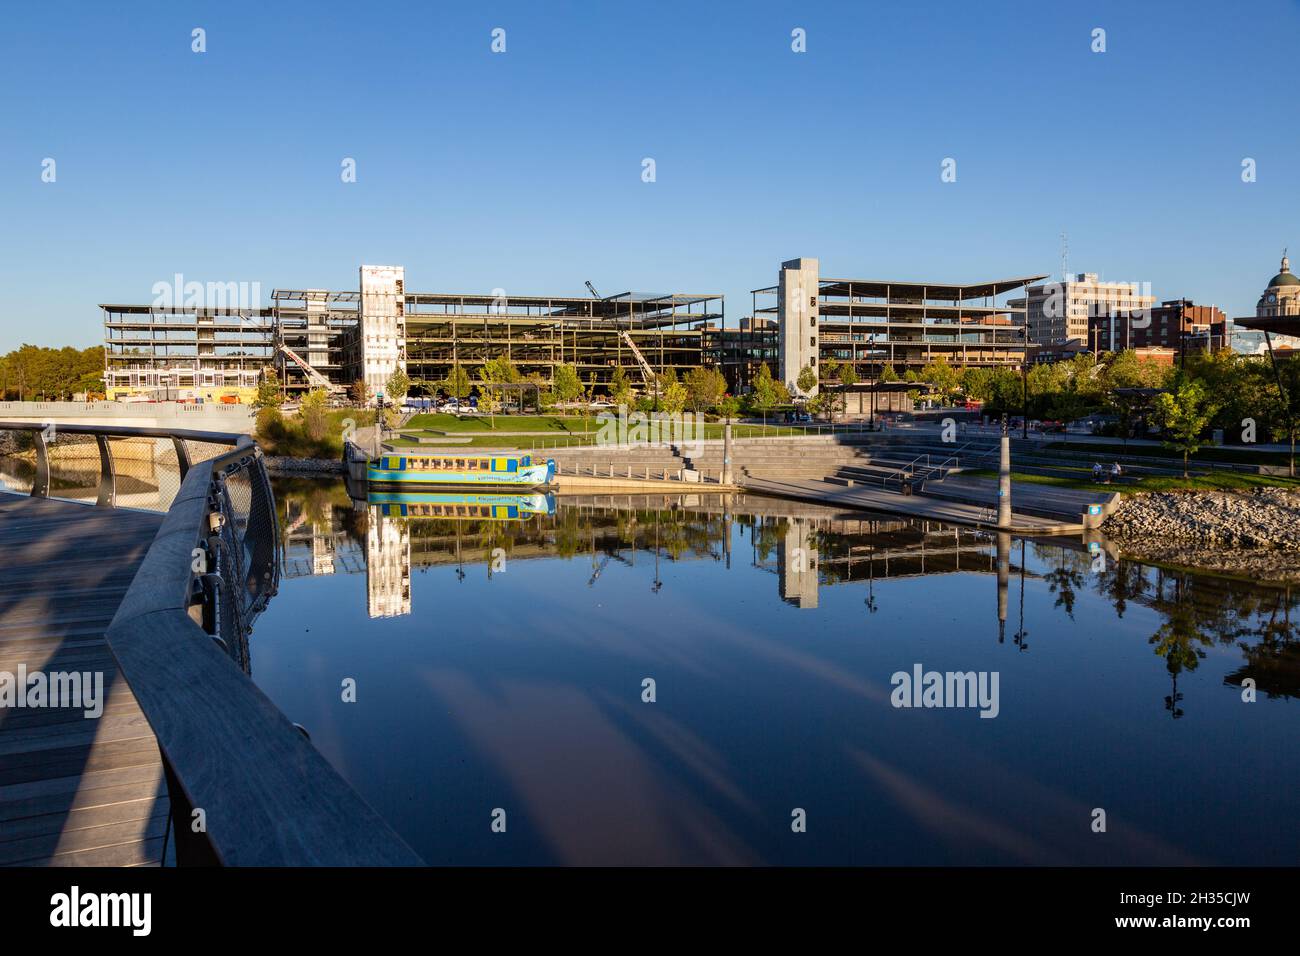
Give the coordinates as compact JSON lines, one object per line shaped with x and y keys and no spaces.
{"x":146,"y":468}
{"x":243,"y":550}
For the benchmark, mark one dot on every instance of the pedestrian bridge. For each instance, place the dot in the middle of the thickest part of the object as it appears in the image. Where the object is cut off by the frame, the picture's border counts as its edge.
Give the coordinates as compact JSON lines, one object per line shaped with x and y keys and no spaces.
{"x":133,"y":562}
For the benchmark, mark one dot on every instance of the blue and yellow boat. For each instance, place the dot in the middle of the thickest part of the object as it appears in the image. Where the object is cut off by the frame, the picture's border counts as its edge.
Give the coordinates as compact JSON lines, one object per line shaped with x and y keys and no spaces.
{"x":459,"y":468}
{"x":463,"y":507}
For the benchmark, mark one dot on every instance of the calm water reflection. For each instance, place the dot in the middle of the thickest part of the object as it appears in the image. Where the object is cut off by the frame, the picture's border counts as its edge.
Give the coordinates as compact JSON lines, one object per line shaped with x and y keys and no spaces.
{"x":499,"y":664}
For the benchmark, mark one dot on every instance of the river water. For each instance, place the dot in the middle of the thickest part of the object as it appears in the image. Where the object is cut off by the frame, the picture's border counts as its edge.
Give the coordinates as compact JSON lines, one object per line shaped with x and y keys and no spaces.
{"x":660,"y":680}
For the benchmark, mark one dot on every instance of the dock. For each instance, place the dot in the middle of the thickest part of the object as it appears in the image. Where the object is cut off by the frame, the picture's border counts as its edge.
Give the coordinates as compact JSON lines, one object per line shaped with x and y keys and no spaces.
{"x":1037,"y":510}
{"x":74,"y":791}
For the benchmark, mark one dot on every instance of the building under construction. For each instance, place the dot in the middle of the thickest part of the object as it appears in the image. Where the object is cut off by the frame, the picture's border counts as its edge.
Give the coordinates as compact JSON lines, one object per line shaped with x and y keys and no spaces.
{"x":873,"y":323}
{"x":318,"y":338}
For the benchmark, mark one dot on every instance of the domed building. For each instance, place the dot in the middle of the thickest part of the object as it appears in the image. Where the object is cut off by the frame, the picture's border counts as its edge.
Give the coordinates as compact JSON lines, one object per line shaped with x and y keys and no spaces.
{"x":1282,"y":297}
{"x":1276,"y":322}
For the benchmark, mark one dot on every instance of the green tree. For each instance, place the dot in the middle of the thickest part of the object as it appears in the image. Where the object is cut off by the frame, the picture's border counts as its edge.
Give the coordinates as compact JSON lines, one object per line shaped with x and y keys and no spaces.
{"x":494,"y":374}
{"x":620,"y":389}
{"x":1184,"y":413}
{"x":704,"y":388}
{"x":457,"y":383}
{"x":674,"y":398}
{"x":268,"y":390}
{"x":807,"y":380}
{"x":765,"y":396}
{"x":1124,"y":373}
{"x":888,"y":374}
{"x":1284,"y":410}
{"x":399,"y":383}
{"x":942,"y":378}
{"x":315,"y":420}
{"x":566,"y":384}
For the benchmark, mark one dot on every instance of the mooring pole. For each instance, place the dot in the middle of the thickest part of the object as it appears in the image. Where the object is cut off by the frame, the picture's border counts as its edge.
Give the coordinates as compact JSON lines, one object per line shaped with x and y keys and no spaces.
{"x":1004,"y":477}
{"x":726,"y":452}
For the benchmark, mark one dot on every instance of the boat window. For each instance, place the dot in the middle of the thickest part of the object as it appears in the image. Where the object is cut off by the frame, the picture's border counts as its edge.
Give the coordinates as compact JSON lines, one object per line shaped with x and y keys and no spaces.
{"x":460,"y":463}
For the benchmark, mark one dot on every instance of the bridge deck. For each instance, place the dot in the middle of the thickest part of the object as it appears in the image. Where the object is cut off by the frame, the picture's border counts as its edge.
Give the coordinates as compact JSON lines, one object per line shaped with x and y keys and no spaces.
{"x":73,"y":791}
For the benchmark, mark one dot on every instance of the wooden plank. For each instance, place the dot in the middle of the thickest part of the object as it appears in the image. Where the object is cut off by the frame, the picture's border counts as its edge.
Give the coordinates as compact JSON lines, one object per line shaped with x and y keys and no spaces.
{"x":59,"y":735}
{"x":84,"y":799}
{"x":55,"y":823}
{"x":69,"y":842}
{"x":136,"y":853}
{"x":73,"y":791}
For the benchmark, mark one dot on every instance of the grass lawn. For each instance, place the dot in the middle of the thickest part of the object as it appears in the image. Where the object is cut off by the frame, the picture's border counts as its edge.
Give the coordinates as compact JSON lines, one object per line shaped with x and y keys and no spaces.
{"x":451,"y":424}
{"x":1230,"y":481}
{"x":548,"y":429}
{"x":500,"y":441}
{"x":1233,"y":454}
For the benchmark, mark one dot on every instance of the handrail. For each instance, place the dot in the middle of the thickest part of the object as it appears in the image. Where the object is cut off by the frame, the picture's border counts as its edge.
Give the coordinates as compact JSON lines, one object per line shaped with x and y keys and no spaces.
{"x":106,"y":496}
{"x":268,"y":798}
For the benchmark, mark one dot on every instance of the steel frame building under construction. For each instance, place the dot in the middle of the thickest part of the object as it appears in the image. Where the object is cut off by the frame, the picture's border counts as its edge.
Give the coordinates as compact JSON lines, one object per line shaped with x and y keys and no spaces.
{"x":871,"y":323}
{"x":315,"y":337}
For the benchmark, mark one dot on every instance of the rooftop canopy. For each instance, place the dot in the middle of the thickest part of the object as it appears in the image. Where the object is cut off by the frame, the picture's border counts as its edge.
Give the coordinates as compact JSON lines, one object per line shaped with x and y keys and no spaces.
{"x":1276,"y":324}
{"x":894,"y":289}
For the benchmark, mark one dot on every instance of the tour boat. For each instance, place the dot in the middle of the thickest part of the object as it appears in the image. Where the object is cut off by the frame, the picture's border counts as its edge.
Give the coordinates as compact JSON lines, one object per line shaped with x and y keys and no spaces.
{"x":464,"y":507}
{"x":459,"y":468}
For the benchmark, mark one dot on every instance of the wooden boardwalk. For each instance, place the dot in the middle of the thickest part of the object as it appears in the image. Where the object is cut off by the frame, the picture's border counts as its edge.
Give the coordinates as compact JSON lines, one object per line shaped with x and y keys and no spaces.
{"x":74,"y":791}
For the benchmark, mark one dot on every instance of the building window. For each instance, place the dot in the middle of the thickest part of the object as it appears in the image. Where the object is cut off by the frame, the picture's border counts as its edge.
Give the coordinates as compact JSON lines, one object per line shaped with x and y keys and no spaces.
{"x":812,"y":341}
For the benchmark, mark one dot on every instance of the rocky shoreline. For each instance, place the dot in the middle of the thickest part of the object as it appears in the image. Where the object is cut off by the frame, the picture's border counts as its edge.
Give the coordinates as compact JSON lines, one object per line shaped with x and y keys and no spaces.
{"x":304,"y":467}
{"x":1255,"y":533}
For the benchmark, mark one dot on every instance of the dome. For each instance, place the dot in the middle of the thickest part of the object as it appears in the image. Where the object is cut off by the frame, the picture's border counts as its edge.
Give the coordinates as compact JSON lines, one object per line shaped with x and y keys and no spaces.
{"x":1284,"y":277}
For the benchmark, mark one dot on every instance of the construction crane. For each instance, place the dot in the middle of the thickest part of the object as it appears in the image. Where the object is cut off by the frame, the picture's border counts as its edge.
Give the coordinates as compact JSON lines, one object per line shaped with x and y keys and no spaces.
{"x":314,"y":378}
{"x":647,"y":373}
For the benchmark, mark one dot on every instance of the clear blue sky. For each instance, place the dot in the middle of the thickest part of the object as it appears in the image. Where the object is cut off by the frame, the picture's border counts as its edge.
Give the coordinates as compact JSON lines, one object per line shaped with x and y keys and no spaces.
{"x":523,"y":170}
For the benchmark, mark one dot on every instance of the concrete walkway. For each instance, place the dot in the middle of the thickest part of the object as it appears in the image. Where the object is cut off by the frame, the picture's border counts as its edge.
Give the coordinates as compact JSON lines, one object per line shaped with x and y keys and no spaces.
{"x":914,"y":506}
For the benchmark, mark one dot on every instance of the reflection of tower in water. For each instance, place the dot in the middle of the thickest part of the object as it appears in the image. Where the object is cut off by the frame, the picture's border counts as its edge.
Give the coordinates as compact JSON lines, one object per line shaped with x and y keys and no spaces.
{"x":1004,"y":577}
{"x":388,"y":566}
{"x":797,"y":564}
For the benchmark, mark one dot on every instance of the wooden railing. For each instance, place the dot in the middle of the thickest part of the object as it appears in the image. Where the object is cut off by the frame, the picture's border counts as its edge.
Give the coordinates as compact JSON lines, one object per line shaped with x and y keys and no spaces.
{"x":267,"y":797}
{"x":245,"y":784}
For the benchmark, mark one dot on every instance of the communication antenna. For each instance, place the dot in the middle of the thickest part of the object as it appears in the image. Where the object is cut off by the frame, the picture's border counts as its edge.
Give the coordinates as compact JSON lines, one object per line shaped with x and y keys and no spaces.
{"x":1065,"y":256}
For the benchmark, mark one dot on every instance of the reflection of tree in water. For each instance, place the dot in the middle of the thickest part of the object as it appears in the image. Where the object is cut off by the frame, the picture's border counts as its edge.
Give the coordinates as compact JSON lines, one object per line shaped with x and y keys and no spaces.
{"x":1067,"y":577}
{"x":1122,"y":582}
{"x":768,"y":534}
{"x":1274,"y":662}
{"x":1177,"y":642}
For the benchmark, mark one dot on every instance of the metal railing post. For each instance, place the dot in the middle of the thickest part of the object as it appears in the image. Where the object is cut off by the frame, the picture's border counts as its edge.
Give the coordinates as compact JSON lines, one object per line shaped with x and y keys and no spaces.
{"x":107,"y":497}
{"x":41,"y":482}
{"x":182,"y":455}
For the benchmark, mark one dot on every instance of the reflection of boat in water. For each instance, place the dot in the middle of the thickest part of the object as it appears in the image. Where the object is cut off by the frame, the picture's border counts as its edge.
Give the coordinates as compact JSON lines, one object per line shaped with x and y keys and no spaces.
{"x":459,"y":468}
{"x":469,"y":507}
